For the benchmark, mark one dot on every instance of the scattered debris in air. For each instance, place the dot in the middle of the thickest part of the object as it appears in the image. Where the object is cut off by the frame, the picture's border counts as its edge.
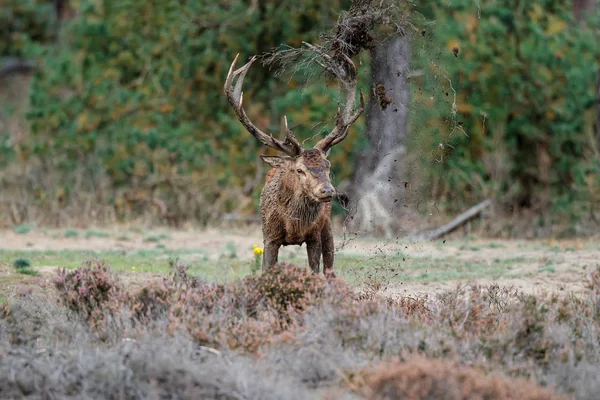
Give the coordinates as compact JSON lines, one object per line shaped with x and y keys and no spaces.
{"x":382,"y":98}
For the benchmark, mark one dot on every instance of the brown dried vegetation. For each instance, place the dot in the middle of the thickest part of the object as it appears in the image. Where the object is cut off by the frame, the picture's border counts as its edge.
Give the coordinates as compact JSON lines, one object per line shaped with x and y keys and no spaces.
{"x":291,"y":334}
{"x":421,"y":378}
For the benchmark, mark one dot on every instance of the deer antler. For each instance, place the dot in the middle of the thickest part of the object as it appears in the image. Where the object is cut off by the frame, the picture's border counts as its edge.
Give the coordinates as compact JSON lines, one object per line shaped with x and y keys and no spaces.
{"x":346,"y":117}
{"x":235,"y":95}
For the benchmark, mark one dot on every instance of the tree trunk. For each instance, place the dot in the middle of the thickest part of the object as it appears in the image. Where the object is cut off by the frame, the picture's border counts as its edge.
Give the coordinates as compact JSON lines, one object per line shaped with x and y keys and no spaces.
{"x":376,"y":193}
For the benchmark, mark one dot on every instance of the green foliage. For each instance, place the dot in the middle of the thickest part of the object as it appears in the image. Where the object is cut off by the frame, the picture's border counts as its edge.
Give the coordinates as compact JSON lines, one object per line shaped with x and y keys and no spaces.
{"x":23,"y":266}
{"x":70,"y":233}
{"x":130,"y":107}
{"x":21,"y":263}
{"x":28,"y":271}
{"x":94,"y":233}
{"x":517,"y":129}
{"x":23,"y":229}
{"x":23,"y":22}
{"x":136,"y":97}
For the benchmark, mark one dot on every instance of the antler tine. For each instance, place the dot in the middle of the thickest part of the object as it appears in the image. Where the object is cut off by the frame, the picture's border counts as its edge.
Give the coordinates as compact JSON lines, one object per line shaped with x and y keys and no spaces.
{"x":235,"y":96}
{"x":290,"y":137}
{"x":229,"y":79}
{"x":341,"y":136}
{"x":348,"y":116}
{"x":241,"y":74}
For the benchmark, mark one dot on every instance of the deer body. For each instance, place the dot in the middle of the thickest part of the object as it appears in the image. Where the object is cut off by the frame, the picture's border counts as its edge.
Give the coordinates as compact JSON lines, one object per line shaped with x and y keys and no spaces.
{"x":295,"y":209}
{"x":295,"y":203}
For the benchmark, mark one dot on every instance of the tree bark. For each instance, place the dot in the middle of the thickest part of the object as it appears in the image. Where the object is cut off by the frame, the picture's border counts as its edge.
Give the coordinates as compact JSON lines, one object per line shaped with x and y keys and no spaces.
{"x":376,"y":193}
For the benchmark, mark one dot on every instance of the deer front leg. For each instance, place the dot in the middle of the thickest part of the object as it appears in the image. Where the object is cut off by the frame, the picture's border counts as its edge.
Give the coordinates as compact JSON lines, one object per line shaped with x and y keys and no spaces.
{"x":270,"y":255}
{"x":313,"y":248}
{"x":327,"y":247}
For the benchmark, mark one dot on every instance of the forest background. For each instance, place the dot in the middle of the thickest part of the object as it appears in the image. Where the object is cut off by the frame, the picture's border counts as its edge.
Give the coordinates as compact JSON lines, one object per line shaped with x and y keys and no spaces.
{"x":113,"y":111}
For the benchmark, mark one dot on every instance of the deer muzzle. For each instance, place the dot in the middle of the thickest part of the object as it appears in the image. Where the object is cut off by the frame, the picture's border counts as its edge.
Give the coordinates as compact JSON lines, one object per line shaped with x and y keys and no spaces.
{"x":326,"y":194}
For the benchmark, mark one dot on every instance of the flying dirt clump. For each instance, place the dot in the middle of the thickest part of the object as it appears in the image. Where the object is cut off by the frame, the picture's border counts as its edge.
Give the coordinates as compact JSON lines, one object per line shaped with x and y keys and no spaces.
{"x":382,"y":98}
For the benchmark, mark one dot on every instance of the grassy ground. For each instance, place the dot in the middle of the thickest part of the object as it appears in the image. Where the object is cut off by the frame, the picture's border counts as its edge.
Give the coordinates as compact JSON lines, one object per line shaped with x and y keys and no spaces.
{"x":353,"y":268}
{"x":405,"y":267}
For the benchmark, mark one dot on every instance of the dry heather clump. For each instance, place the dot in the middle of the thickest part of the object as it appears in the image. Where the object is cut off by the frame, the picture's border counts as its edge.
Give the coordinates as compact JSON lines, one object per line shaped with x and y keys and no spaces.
{"x":593,"y":284}
{"x":28,"y":320}
{"x":91,"y":290}
{"x":286,"y":288}
{"x":152,"y":301}
{"x":249,"y":313}
{"x":414,"y":307}
{"x":469,"y":313}
{"x":420,"y":378}
{"x":242,"y":315}
{"x":175,"y":295}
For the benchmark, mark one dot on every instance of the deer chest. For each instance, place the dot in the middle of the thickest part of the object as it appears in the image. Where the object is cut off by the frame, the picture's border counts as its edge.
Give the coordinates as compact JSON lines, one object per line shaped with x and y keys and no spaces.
{"x":296,"y":233}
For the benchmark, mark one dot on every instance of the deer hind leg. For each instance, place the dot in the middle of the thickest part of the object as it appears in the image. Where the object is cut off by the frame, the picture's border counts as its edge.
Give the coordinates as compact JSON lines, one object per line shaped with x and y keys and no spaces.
{"x":313,"y":248}
{"x":270,"y":255}
{"x":327,"y":248}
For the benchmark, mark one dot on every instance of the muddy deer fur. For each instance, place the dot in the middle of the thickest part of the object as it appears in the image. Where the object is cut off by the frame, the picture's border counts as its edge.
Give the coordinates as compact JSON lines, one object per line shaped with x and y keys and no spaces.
{"x":295,"y":202}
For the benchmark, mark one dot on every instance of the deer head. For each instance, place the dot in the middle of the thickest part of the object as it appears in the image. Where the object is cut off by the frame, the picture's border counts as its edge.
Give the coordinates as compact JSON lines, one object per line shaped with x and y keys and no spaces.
{"x":306,"y":175}
{"x":306,"y":170}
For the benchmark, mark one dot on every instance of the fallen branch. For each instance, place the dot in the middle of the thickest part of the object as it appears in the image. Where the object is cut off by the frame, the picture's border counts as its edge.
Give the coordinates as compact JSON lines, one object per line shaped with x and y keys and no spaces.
{"x":456,"y":222}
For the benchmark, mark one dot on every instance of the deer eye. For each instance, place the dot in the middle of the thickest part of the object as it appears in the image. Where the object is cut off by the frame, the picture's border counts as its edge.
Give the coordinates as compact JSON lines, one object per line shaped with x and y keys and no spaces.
{"x":300,"y":171}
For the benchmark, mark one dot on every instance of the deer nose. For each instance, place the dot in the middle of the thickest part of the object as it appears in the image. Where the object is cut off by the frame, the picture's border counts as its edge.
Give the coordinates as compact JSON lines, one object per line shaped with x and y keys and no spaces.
{"x":327,"y":191}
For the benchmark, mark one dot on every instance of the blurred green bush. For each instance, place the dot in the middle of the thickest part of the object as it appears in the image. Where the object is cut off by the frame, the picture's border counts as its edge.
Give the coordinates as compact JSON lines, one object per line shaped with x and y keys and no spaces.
{"x":519,"y":104}
{"x":128,"y":113}
{"x":134,"y":103}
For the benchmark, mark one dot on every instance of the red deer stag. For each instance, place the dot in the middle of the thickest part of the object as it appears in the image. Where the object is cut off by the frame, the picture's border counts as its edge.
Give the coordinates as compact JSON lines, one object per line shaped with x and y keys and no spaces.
{"x":295,"y":203}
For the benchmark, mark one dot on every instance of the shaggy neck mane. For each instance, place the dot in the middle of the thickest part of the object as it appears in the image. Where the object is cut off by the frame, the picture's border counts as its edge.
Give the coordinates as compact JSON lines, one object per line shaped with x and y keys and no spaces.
{"x":299,"y":207}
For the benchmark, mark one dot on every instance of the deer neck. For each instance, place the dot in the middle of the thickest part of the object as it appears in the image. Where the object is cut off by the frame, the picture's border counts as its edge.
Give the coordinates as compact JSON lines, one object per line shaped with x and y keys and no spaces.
{"x":299,"y":207}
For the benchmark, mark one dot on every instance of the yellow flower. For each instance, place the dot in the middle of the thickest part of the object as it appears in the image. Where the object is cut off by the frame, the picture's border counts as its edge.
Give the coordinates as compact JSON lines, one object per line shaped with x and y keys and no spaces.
{"x":258,"y":251}
{"x":133,"y":267}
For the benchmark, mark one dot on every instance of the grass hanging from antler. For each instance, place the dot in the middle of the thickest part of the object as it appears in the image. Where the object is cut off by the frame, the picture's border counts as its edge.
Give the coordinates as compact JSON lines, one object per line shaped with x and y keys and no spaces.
{"x":364,"y":24}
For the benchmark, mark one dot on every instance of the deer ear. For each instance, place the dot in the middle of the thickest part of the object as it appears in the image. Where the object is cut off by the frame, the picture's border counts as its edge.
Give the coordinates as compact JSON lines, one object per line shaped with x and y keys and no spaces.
{"x":274,"y":161}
